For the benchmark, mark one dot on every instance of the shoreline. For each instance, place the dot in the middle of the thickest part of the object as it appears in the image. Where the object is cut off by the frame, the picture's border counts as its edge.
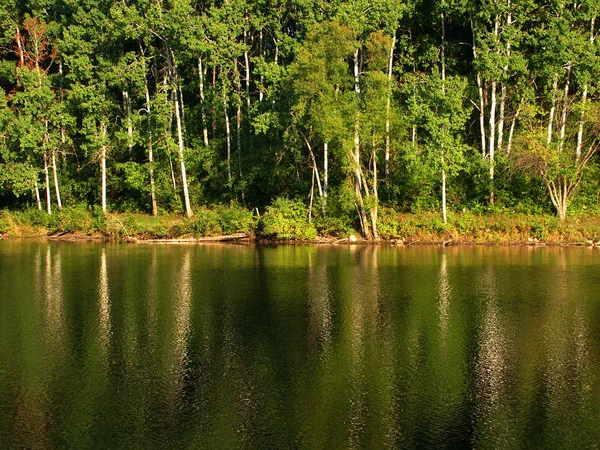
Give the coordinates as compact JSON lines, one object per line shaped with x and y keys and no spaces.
{"x":250,"y":239}
{"x":242,"y":227}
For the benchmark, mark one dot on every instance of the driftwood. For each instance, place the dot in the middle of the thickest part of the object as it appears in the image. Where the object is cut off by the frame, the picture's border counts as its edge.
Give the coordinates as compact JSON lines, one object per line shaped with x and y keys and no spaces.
{"x":225,"y":238}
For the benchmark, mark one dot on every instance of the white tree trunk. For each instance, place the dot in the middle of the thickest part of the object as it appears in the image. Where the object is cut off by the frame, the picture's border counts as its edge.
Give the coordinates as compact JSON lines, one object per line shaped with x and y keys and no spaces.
{"x":202,"y":102}
{"x":481,"y":97}
{"x":247,"y":67}
{"x":103,"y":166}
{"x":325,"y":171}
{"x":127,"y":102}
{"x":512,"y":127}
{"x":444,"y":207}
{"x":37,"y":195}
{"x":47,"y":176}
{"x":179,"y":120}
{"x":55,"y":172}
{"x":374,"y":208}
{"x":563,"y":118}
{"x":492,"y":144}
{"x":388,"y":108}
{"x":150,"y":150}
{"x":552,"y":110}
{"x":227,"y":139}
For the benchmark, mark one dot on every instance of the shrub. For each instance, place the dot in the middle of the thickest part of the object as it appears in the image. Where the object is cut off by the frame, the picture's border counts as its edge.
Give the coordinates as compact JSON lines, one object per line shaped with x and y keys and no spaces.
{"x":287,"y":219}
{"x":5,"y":222}
{"x":333,"y":226}
{"x":388,"y":224}
{"x":75,"y":218}
{"x":205,"y":222}
{"x":235,"y":219}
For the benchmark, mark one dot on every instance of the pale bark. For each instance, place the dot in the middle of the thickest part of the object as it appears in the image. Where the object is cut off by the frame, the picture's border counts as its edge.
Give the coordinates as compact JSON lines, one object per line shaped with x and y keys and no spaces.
{"x":443,"y":52}
{"x":444,"y":207}
{"x":481,"y":99}
{"x":47,"y":176}
{"x":239,"y":138}
{"x":37,"y":194}
{"x":56,"y":188}
{"x":325,"y":172}
{"x":262,"y":77}
{"x":388,"y":108}
{"x":581,"y":120}
{"x":202,"y":102}
{"x":512,"y":127}
{"x":179,"y":121}
{"x":552,"y":109}
{"x":127,"y":104}
{"x":492,"y":144}
{"x":103,"y":166}
{"x":374,"y":208}
{"x":247,"y":68}
{"x":563,"y":118}
{"x":503,"y":90}
{"x":583,"y":100}
{"x":501,"y":117}
{"x":150,"y":150}
{"x":20,"y":48}
{"x":227,"y":139}
{"x":356,"y":156}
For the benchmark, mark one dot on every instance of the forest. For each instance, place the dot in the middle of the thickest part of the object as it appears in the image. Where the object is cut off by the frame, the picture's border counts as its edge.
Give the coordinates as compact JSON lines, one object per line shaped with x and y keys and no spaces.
{"x":346,"y":112}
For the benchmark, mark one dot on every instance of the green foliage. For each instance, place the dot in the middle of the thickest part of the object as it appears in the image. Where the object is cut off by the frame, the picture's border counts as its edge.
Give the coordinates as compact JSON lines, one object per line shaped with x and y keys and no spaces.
{"x":287,"y":219}
{"x":5,"y":222}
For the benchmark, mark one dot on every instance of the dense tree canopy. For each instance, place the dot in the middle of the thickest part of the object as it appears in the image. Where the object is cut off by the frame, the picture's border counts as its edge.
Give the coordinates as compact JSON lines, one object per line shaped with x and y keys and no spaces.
{"x":348,"y":105}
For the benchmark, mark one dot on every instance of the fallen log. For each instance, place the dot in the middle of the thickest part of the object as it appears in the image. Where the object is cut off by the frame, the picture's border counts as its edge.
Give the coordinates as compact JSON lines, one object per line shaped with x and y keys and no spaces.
{"x":224,"y":238}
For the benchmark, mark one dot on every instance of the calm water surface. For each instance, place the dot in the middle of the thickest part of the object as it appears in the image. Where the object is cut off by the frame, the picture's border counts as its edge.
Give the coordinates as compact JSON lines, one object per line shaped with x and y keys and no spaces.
{"x":138,"y":346}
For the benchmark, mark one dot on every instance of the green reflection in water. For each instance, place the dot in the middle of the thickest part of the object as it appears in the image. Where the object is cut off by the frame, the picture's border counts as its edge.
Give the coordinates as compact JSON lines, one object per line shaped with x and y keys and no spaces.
{"x":124,"y":346}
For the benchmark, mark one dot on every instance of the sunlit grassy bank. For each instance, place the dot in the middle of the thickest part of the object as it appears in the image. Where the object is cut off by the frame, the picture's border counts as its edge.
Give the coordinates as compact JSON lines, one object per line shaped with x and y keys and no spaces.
{"x":286,"y":222}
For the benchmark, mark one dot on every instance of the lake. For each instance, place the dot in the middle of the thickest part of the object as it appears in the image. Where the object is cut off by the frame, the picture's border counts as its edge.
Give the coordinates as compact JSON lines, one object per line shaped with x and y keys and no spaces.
{"x":123,"y":346}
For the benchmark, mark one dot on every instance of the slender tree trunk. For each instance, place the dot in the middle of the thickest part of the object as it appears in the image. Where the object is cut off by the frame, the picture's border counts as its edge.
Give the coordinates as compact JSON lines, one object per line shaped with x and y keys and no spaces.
{"x":228,"y":139}
{"x":213,"y":110}
{"x":150,"y":149}
{"x":239,"y":138}
{"x":202,"y":102}
{"x":512,"y":127}
{"x":247,"y":68}
{"x":552,"y":109}
{"x":503,"y":89}
{"x":186,"y":195}
{"x":238,"y":87}
{"x":37,"y":194}
{"x":583,"y":100}
{"x":325,"y":174}
{"x":173,"y":180}
{"x":103,"y":165}
{"x":581,"y":120}
{"x":374,"y":208}
{"x":388,"y":108}
{"x":311,"y":195}
{"x":179,"y":120}
{"x":262,"y":56}
{"x":565,"y":107}
{"x":47,"y":176}
{"x":127,"y":104}
{"x":20,"y":48}
{"x":501,"y":117}
{"x":444,"y":207}
{"x":56,"y":188}
{"x":443,"y":52}
{"x":492,"y":146}
{"x":357,"y":169}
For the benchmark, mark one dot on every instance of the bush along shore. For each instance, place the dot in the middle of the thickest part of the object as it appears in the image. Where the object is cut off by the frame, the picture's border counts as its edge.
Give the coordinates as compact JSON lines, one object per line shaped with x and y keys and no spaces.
{"x":290,"y":221}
